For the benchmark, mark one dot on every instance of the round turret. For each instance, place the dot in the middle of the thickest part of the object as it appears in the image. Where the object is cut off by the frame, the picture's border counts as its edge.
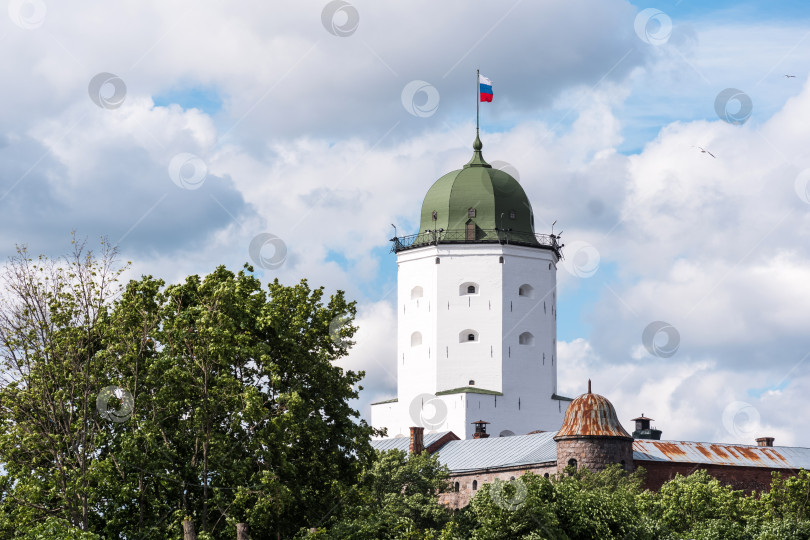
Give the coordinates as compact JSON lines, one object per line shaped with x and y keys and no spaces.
{"x":591,"y":435}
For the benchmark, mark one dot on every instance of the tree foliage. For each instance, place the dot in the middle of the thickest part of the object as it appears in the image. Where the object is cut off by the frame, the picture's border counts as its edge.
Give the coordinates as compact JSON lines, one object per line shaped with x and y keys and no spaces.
{"x":125,"y":409}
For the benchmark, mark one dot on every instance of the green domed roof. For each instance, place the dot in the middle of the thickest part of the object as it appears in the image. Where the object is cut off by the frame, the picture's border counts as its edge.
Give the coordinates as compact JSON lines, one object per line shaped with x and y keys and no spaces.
{"x":476,"y":204}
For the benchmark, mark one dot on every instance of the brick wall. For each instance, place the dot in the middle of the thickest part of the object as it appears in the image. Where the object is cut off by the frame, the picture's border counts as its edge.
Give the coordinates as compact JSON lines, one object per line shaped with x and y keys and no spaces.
{"x":746,"y":478}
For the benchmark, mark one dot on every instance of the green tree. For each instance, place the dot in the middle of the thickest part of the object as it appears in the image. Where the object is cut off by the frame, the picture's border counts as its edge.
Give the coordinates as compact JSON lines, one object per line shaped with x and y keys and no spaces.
{"x":788,"y":497}
{"x":242,"y":415}
{"x":699,"y":502}
{"x":53,"y":324}
{"x":396,"y":497}
{"x":125,"y":411}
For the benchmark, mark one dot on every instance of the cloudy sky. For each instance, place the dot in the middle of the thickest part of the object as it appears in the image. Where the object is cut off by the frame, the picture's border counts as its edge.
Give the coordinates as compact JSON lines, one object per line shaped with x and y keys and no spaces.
{"x":188,"y":131}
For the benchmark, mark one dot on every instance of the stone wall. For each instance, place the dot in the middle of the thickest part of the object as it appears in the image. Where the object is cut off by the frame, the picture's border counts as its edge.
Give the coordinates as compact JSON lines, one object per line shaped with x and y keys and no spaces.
{"x":461,"y":498}
{"x":594,"y":453}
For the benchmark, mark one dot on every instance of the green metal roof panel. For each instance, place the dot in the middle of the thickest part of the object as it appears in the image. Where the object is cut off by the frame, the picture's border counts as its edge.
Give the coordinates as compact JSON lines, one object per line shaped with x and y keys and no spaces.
{"x":469,"y":390}
{"x":489,"y":191}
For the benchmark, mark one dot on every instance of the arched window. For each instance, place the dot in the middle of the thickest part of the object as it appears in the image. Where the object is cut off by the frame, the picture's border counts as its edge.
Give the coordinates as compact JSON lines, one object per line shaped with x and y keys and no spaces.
{"x":416,"y":339}
{"x":467,"y":336}
{"x":572,"y":463}
{"x":526,"y":338}
{"x":468,"y":288}
{"x":416,"y":292}
{"x":475,"y":485}
{"x":506,"y":433}
{"x":471,"y":383}
{"x":471,"y":212}
{"x":545,"y":475}
{"x":526,"y":290}
{"x":456,"y":487}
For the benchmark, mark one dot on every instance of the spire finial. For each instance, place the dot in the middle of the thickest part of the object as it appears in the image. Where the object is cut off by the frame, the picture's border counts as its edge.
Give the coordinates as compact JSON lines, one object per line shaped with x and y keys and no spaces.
{"x":589,"y":386}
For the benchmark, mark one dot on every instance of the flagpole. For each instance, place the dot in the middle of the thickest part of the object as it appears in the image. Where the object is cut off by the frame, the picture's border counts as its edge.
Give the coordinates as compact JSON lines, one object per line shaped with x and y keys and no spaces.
{"x":477,"y":81}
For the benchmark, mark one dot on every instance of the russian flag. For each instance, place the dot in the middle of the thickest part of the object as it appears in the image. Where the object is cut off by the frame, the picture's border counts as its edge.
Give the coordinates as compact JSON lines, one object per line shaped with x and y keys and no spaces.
{"x":485,"y":86}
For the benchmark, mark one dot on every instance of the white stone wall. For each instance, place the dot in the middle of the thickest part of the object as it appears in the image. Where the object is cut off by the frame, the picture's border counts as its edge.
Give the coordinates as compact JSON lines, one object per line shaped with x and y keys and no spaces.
{"x":435,"y":315}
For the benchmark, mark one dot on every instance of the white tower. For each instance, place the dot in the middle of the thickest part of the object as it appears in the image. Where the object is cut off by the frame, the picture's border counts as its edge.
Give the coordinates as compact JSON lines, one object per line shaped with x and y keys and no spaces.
{"x":477,"y":312}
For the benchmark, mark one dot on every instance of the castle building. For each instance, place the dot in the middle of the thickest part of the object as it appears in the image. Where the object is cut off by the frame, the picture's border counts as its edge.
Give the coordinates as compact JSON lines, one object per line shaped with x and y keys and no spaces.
{"x":477,"y":357}
{"x":591,"y":437}
{"x":477,"y":312}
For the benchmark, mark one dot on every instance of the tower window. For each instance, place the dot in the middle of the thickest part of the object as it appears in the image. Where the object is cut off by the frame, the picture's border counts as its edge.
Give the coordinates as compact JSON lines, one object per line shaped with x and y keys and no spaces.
{"x":416,"y":339}
{"x":471,"y":212}
{"x":471,"y":383}
{"x":467,"y":336}
{"x":511,"y":214}
{"x":500,"y":260}
{"x":572,"y":463}
{"x":416,"y":292}
{"x":526,"y":338}
{"x":475,"y":485}
{"x":470,"y":337}
{"x":525,"y":290}
{"x":438,"y":260}
{"x":456,"y":487}
{"x":468,"y":288}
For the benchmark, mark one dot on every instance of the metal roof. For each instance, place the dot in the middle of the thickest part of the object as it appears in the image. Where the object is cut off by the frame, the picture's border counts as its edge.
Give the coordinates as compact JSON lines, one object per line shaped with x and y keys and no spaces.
{"x":493,"y":452}
{"x":591,"y":415}
{"x":475,"y":454}
{"x":775,"y":457}
{"x":403,"y":443}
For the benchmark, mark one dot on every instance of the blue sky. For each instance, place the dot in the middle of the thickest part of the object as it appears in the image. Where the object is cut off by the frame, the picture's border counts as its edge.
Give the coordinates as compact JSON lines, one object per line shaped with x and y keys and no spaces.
{"x":268,"y":123}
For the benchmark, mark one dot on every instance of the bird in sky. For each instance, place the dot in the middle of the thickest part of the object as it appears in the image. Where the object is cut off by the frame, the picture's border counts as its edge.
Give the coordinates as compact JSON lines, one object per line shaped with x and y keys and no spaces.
{"x":790,"y":76}
{"x":704,"y":151}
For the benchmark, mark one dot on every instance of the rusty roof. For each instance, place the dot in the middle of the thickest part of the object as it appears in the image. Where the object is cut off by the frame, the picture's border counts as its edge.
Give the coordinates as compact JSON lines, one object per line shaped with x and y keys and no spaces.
{"x":739,"y":455}
{"x":591,"y":415}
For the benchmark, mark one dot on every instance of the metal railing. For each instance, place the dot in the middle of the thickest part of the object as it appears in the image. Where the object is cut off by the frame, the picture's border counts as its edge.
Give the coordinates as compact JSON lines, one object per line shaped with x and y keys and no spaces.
{"x":481,"y":236}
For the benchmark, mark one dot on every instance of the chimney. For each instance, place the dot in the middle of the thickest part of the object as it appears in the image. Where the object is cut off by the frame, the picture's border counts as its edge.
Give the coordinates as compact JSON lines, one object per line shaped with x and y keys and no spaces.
{"x":644,"y":430}
{"x":417,"y":440}
{"x":765,"y":441}
{"x":480,"y":429}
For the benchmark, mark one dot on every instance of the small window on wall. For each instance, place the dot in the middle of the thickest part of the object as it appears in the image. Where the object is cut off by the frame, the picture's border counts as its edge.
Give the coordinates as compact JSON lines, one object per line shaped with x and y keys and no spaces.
{"x":467,"y":336}
{"x":416,"y":292}
{"x":416,"y":339}
{"x":468,"y":288}
{"x":526,"y":290}
{"x":456,"y":487}
{"x":526,"y":338}
{"x":471,"y":212}
{"x":475,"y":485}
{"x":471,"y":383}
{"x":511,"y":214}
{"x":572,"y":463}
